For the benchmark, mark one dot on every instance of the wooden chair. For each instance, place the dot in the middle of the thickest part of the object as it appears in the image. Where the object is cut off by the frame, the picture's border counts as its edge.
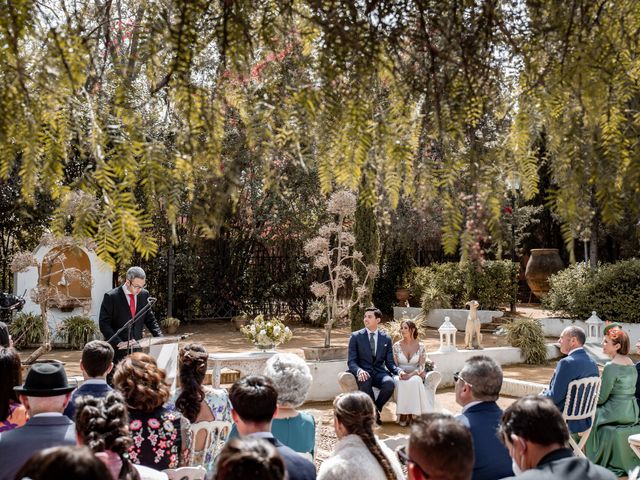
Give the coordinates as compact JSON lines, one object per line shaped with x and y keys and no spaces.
{"x":580,"y":403}
{"x":186,"y":473}
{"x":217,"y":432}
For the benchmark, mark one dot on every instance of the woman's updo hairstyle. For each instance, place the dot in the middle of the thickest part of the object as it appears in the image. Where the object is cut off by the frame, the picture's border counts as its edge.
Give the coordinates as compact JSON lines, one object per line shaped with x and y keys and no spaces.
{"x":193,"y":367}
{"x":412,"y":328}
{"x":141,"y":382}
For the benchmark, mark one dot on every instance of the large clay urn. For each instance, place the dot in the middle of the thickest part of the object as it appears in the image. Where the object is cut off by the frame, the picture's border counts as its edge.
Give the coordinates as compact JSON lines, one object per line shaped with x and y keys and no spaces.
{"x":543,"y":263}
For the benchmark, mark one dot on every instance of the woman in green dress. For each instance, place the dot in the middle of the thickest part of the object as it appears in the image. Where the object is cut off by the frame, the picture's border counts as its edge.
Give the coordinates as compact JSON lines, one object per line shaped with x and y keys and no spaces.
{"x":617,"y":413}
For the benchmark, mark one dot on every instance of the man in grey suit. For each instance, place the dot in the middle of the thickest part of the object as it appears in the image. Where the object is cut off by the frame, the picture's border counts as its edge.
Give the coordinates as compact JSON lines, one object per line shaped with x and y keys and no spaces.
{"x":45,"y":394}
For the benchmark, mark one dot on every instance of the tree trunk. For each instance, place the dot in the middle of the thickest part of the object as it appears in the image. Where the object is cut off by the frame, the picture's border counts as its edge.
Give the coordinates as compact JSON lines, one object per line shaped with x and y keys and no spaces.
{"x":593,"y":257}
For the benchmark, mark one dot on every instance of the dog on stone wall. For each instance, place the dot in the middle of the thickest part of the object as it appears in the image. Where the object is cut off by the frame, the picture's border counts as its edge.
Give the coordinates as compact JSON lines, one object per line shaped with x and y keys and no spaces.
{"x":472,"y":335}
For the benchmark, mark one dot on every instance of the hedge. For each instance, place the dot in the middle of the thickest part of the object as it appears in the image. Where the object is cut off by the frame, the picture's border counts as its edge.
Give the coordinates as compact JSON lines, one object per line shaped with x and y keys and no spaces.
{"x":491,"y":285}
{"x":612,"y":290}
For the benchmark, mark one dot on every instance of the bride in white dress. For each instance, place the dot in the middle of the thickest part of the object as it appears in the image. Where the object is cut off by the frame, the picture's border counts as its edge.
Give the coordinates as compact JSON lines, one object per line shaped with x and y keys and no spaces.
{"x":410,"y":355}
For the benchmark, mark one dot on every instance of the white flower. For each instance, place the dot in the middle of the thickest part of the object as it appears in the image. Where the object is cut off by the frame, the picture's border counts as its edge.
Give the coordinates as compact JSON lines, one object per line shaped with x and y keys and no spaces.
{"x":342,"y":203}
{"x":276,"y":330}
{"x":286,"y":330}
{"x":252,"y":329}
{"x":262,"y":333}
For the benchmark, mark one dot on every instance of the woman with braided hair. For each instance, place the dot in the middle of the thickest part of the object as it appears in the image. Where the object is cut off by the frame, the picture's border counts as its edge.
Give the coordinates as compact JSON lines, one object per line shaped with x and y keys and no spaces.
{"x":198,"y":403}
{"x":102,"y":424}
{"x":358,"y":453}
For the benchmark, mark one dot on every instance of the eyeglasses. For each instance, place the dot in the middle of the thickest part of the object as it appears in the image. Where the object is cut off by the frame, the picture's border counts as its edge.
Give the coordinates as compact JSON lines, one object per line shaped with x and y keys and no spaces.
{"x":404,"y":458}
{"x":136,"y":287}
{"x":456,"y":377}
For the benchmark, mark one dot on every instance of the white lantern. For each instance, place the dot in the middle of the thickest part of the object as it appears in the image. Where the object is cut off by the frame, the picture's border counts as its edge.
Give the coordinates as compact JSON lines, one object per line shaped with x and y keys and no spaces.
{"x":594,"y":328}
{"x":447,"y":336}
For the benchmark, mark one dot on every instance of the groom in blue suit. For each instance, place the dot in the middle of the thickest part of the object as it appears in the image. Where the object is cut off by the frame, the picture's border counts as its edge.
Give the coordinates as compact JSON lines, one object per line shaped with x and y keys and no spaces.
{"x":576,"y":365}
{"x":371,"y":360}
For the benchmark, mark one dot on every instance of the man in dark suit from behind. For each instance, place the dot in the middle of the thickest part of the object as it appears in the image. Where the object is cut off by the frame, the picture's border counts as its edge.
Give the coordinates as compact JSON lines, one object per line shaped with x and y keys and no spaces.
{"x":96,"y":364}
{"x":534,"y":432}
{"x":477,"y":389}
{"x":576,"y":365}
{"x":254,"y":401}
{"x":371,"y":360}
{"x":120,"y":305}
{"x":45,"y":394}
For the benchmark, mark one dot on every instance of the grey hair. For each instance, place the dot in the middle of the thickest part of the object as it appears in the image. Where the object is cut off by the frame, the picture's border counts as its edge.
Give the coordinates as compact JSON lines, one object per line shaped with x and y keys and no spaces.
{"x":577,"y":333}
{"x":484,"y":375}
{"x":136,"y":272}
{"x":291,"y":377}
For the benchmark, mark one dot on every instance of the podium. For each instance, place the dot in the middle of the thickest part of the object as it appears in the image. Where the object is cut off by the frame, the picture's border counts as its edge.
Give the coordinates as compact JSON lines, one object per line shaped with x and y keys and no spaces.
{"x":164,"y":350}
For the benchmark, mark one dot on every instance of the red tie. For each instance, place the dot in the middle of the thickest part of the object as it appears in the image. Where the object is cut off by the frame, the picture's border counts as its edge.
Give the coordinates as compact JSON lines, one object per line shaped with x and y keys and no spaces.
{"x":132,"y":305}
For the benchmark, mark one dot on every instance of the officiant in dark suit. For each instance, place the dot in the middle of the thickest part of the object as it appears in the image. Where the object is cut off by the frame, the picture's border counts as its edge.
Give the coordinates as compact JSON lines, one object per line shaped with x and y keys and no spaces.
{"x":371,"y":360}
{"x":120,"y":305}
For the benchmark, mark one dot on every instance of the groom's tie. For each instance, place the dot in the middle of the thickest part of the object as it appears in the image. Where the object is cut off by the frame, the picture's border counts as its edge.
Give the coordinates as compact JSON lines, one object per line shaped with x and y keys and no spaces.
{"x":372,"y":343}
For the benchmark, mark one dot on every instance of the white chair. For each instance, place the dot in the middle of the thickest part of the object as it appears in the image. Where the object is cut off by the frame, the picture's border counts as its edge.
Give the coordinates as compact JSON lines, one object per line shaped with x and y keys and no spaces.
{"x":217,"y":432}
{"x":186,"y":473}
{"x":580,"y":403}
{"x":634,"y":443}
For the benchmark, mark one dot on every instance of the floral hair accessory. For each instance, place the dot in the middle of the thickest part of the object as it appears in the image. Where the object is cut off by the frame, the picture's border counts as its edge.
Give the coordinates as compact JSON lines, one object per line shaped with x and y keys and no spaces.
{"x":614,"y":333}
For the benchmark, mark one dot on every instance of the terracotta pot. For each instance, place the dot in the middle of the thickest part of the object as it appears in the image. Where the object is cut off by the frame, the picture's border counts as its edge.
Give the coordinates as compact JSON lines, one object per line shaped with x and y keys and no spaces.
{"x":402,"y":295}
{"x":543,"y":263}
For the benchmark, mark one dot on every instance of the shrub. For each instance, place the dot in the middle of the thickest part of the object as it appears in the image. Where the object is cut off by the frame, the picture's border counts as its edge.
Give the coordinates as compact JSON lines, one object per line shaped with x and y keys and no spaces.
{"x":27,"y":329}
{"x":434,"y":298}
{"x":78,"y":330}
{"x":612,"y":290}
{"x":527,"y":335}
{"x":491,"y":285}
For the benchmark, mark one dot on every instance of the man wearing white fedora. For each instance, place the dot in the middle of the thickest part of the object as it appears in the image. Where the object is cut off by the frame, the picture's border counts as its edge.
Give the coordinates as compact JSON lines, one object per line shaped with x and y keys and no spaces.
{"x":45,"y":395}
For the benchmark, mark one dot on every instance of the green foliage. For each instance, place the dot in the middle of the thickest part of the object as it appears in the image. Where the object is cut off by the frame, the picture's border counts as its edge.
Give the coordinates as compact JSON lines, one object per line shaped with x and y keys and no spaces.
{"x":394,"y":263}
{"x":527,"y":335}
{"x":611,"y":290}
{"x":434,"y":298}
{"x":491,"y":285}
{"x":26,"y":329}
{"x":170,"y":322}
{"x":77,"y":330}
{"x":367,"y":236}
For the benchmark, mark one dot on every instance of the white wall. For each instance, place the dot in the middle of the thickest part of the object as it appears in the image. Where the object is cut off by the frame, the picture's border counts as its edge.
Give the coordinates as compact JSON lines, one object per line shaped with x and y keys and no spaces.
{"x":436,"y":316}
{"x":101,"y":276}
{"x":325,"y":374}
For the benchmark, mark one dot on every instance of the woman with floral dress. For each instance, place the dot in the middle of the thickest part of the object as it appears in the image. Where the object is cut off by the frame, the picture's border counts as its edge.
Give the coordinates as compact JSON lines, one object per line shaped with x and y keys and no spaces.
{"x":157,"y":432}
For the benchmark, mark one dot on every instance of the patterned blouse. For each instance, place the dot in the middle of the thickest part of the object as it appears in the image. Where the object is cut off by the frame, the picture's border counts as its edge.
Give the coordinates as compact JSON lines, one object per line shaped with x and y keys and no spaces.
{"x":218,"y":402}
{"x":17,"y":417}
{"x":157,"y":438}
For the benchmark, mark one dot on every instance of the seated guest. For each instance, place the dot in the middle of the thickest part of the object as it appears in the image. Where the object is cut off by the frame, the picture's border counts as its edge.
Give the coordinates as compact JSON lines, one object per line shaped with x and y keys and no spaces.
{"x":371,"y":360}
{"x":412,"y":398}
{"x":198,"y":403}
{"x":617,"y":412}
{"x":63,"y":463}
{"x":440,"y":448}
{"x":5,"y":338}
{"x":477,"y":389}
{"x":157,"y":432}
{"x":254,"y":400}
{"x":45,"y":395}
{"x":576,"y":365}
{"x":292,"y":379}
{"x":534,"y":432}
{"x":638,"y":370}
{"x":12,"y":412}
{"x":102,"y":424}
{"x":244,"y":458}
{"x":96,"y":363}
{"x":358,"y":453}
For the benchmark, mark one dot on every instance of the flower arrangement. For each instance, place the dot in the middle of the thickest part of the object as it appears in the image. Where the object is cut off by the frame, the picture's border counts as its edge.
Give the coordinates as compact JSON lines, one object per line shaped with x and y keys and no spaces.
{"x":429,"y":365}
{"x":266,"y":333}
